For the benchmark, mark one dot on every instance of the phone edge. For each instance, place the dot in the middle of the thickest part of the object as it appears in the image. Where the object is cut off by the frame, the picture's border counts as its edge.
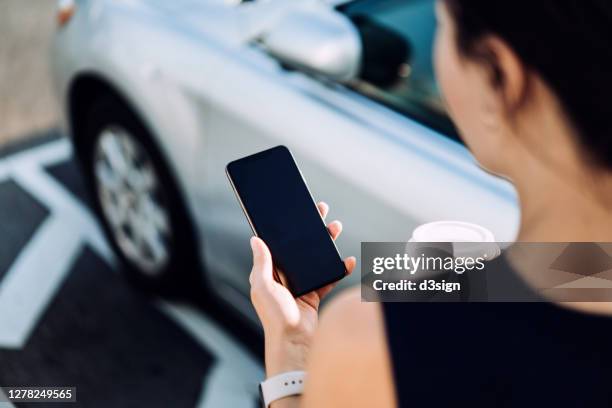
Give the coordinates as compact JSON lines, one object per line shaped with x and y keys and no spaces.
{"x":244,"y":210}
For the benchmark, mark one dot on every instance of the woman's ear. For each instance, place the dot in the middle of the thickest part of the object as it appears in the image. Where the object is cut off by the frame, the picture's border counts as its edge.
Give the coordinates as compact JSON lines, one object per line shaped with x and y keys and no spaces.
{"x":507,"y":72}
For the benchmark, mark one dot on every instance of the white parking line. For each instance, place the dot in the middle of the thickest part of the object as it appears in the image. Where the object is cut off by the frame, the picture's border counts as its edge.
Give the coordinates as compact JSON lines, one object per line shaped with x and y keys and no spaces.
{"x":40,"y":268}
{"x":43,"y":155}
{"x":234,"y":379}
{"x":3,"y":401}
{"x":33,"y":280}
{"x":63,"y":205}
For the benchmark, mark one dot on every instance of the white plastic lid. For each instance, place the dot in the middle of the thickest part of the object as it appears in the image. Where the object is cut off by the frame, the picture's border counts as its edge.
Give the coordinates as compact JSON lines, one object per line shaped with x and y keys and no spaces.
{"x":452,"y":231}
{"x":459,"y":232}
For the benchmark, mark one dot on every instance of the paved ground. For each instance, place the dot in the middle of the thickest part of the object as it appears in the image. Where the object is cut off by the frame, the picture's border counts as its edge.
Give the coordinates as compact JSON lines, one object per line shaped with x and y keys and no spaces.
{"x":67,"y":317}
{"x":27,"y":105}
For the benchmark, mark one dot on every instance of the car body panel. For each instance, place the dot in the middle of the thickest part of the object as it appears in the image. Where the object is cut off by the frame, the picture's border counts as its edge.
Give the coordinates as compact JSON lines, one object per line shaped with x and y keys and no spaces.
{"x":210,"y":96}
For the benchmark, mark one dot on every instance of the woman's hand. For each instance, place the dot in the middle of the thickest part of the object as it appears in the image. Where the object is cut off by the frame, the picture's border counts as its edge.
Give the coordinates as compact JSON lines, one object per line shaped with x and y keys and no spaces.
{"x":289,"y":323}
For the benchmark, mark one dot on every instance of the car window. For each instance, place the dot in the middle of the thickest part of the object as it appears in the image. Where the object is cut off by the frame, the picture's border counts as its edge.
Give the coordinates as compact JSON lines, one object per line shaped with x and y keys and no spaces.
{"x":413,"y":91}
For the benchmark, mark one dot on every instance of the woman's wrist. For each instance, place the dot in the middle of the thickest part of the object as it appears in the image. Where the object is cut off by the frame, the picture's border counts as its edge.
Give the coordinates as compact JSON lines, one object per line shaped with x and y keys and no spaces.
{"x":286,"y":353}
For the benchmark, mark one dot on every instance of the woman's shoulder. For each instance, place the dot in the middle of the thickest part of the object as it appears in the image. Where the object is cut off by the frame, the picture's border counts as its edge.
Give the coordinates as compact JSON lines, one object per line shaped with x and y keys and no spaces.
{"x":350,"y":363}
{"x":348,"y":313}
{"x":348,"y":319}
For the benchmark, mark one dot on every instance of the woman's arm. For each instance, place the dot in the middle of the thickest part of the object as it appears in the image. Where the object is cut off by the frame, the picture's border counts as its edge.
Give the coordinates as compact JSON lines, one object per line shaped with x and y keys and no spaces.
{"x":289,"y":323}
{"x":349,"y":365}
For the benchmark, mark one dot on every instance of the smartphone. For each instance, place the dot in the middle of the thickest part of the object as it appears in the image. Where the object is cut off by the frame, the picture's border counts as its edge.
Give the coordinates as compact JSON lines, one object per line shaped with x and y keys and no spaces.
{"x":282,"y":212}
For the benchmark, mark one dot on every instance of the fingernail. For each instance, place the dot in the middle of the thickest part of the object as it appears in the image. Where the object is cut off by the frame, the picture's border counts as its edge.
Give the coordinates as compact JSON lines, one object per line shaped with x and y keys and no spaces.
{"x":252,"y":241}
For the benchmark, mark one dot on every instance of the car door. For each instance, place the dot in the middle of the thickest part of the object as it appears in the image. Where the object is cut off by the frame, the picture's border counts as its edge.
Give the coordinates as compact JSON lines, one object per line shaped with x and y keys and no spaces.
{"x":386,"y":158}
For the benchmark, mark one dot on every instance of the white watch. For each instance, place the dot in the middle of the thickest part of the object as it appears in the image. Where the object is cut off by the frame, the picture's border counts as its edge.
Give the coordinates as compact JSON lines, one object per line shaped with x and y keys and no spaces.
{"x":281,"y":386}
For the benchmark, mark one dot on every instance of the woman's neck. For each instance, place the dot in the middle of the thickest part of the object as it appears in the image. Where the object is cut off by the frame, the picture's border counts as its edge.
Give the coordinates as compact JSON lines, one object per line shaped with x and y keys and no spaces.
{"x":565,"y":205}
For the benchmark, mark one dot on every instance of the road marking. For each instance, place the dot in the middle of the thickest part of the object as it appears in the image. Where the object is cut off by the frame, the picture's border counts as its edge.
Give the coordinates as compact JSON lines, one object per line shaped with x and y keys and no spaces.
{"x":35,"y":276}
{"x":43,"y":155}
{"x":4,"y":403}
{"x":33,"y":280}
{"x":233,"y":380}
{"x":42,"y":265}
{"x":63,"y":205}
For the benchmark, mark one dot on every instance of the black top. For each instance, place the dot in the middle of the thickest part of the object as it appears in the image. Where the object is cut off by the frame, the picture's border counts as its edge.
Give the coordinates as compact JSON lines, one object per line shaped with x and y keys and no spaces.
{"x":499,"y":355}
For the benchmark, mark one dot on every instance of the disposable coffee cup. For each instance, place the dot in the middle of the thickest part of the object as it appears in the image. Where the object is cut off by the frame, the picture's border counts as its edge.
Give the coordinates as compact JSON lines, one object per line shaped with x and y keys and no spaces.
{"x":467,"y":239}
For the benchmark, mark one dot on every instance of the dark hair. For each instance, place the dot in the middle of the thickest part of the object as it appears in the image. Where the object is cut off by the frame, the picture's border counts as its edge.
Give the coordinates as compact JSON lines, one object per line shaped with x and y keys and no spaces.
{"x":568,"y":43}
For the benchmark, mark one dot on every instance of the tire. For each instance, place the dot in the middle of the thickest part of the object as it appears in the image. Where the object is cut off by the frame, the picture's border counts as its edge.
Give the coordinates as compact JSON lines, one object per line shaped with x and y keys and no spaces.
{"x":148,"y":227}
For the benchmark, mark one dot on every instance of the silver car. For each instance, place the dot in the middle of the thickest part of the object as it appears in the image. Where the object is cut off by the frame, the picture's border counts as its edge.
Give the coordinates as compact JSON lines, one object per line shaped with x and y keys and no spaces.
{"x":160,"y":95}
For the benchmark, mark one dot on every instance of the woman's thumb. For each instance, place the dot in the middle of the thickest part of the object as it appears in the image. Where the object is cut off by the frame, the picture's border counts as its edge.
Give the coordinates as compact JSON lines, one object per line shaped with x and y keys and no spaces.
{"x":262,"y":259}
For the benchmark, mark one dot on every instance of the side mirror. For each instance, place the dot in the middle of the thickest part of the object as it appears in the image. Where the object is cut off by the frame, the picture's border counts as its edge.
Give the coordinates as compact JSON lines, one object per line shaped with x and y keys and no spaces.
{"x":385,"y":54}
{"x":317,"y":40}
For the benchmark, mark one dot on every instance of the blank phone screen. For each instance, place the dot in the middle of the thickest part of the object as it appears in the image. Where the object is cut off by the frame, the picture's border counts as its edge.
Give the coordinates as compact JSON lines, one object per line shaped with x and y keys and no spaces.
{"x":283,"y":214}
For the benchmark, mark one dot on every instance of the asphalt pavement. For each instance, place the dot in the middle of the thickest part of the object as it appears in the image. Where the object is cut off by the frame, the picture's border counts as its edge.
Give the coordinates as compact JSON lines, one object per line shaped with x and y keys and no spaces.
{"x":69,"y":318}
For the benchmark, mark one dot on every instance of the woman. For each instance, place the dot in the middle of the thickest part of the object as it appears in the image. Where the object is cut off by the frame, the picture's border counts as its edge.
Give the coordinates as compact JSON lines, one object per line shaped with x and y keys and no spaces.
{"x":528,"y":86}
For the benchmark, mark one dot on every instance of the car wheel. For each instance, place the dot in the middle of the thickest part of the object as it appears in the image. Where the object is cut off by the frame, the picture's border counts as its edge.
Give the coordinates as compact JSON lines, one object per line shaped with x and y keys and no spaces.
{"x":137,"y":200}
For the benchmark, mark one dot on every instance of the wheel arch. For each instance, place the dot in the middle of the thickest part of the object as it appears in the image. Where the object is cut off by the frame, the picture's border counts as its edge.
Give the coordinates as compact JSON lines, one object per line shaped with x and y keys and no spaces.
{"x":83,"y":91}
{"x":82,"y":94}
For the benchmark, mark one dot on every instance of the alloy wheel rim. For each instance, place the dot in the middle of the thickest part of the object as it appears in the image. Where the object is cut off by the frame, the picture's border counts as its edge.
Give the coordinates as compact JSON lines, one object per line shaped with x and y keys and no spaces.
{"x":132,"y":199}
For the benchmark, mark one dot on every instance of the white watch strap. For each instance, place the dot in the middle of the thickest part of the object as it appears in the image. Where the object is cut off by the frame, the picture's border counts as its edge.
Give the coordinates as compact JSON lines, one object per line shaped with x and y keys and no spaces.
{"x":281,"y":386}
